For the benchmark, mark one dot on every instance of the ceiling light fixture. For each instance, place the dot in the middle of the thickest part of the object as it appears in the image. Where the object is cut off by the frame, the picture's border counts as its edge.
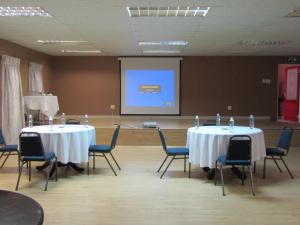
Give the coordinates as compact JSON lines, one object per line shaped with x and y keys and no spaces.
{"x":59,"y":42}
{"x":162,"y":43}
{"x":161,"y":51}
{"x":178,"y":11}
{"x":23,"y":11}
{"x":81,"y":51}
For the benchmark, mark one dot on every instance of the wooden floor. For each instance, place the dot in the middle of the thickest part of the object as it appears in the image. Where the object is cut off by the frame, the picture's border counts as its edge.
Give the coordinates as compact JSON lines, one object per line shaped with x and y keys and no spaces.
{"x":138,"y":197}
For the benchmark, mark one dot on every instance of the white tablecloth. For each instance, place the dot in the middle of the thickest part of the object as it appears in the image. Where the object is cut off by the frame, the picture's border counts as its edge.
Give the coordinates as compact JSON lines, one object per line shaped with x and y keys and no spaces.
{"x":48,"y":105}
{"x":208,"y":142}
{"x":70,"y":143}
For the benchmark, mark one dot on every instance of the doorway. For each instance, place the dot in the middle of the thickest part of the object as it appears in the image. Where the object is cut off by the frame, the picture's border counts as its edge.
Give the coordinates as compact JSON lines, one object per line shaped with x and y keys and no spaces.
{"x":288,"y":92}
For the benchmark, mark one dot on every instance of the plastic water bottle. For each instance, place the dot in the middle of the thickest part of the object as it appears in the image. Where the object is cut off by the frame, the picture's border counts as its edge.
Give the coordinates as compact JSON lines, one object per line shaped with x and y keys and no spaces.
{"x":50,"y":123}
{"x":30,"y":123}
{"x":63,"y":120}
{"x":231,"y":123}
{"x":197,"y":122}
{"x":251,"y":121}
{"x":218,"y":120}
{"x":86,"y":120}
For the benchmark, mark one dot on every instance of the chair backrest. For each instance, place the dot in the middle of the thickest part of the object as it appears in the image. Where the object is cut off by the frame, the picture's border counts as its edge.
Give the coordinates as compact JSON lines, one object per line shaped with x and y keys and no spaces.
{"x":285,"y":139}
{"x":115,"y":137}
{"x":2,"y":141}
{"x":239,"y":148}
{"x":162,"y":139}
{"x":31,"y":144}
{"x":72,"y":121}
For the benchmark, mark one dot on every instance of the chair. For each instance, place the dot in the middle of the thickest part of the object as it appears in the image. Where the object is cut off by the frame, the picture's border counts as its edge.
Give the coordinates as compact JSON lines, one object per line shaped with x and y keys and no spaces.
{"x":280,"y":151}
{"x":102,"y":150}
{"x":6,"y":150}
{"x":238,"y":154}
{"x":174,"y":153}
{"x":72,"y":121}
{"x":31,"y":149}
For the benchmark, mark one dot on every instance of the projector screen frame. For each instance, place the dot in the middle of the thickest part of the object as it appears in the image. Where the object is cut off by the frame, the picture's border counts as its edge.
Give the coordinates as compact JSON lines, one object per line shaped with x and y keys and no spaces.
{"x":147,"y":114}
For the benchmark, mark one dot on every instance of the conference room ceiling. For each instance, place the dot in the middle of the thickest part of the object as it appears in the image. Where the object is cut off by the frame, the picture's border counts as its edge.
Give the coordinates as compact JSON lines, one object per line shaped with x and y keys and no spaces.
{"x":230,"y":28}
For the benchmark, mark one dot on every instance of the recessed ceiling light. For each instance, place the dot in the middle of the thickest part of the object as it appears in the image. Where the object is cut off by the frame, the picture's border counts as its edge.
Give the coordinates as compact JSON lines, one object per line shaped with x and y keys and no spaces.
{"x":170,"y":11}
{"x":264,"y":42}
{"x":59,"y":42}
{"x":176,"y":43}
{"x":81,"y":51}
{"x":23,"y":11}
{"x":161,"y":51}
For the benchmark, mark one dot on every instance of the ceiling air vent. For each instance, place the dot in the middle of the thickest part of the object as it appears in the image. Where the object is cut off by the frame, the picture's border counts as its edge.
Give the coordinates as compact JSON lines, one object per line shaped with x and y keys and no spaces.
{"x":179,"y":11}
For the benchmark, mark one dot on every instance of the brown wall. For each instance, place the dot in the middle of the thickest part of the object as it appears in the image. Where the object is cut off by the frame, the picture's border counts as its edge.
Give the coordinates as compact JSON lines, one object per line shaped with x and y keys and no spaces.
{"x":26,"y":55}
{"x":86,"y":84}
{"x":208,"y":85}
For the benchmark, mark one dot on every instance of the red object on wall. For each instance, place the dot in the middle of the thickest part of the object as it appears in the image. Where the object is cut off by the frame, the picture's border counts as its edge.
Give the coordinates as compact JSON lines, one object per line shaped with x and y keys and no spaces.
{"x":291,"y":101}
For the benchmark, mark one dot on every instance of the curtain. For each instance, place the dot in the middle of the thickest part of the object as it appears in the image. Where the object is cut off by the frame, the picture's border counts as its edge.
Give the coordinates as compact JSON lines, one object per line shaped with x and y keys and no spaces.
{"x":35,"y":79}
{"x":12,"y":99}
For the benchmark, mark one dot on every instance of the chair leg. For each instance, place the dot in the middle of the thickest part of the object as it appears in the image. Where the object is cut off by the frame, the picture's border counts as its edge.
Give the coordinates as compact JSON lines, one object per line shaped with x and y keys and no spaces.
{"x":20,"y":172}
{"x":29,"y":170}
{"x":215,"y":177}
{"x":110,"y":164}
{"x":1,"y":155}
{"x":184,"y":169}
{"x":47,"y":175}
{"x":167,"y":167}
{"x":264,"y":171}
{"x":115,"y":160}
{"x":94,"y":154}
{"x":162,"y":164}
{"x":252,"y":183}
{"x":5,"y":159}
{"x":55,"y":168}
{"x":190,"y":169}
{"x":287,"y":168}
{"x":222,"y":179}
{"x":243,"y":175}
{"x":276,"y":164}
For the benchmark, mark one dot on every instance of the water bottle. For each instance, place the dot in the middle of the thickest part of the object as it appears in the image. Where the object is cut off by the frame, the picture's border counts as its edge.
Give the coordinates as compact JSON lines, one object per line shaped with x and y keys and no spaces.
{"x":231,"y":123}
{"x":197,"y":122}
{"x":30,"y":123}
{"x":86,"y":120}
{"x":63,"y":120}
{"x":251,"y":121}
{"x":218,"y":120}
{"x":50,"y":123}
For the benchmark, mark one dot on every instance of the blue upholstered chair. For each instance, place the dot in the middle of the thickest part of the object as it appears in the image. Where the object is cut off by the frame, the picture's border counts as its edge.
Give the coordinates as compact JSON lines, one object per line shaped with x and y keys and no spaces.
{"x":32,"y":149}
{"x":102,"y":150}
{"x":175,"y":153}
{"x":6,"y":150}
{"x":238,"y":154}
{"x":280,"y":151}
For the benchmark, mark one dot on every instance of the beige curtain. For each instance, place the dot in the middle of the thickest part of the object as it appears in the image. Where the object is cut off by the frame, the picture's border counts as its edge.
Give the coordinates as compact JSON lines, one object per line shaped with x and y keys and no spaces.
{"x":12,"y":99}
{"x":35,"y":79}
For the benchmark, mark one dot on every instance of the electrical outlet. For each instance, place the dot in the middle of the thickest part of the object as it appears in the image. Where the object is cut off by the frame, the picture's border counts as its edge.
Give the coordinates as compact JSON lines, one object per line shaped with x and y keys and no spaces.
{"x":229,"y":107}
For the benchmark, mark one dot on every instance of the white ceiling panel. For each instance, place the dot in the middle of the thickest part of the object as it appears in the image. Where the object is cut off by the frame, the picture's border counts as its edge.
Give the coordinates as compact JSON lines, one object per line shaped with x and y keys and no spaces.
{"x":106,"y":26}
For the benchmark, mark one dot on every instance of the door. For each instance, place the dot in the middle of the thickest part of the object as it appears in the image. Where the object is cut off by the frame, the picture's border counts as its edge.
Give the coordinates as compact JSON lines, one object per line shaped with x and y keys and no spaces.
{"x":291,"y":100}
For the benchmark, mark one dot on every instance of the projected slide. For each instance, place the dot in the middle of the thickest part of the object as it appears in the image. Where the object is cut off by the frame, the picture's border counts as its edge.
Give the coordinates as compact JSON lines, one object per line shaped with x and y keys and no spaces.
{"x":149,"y":88}
{"x":150,"y":85}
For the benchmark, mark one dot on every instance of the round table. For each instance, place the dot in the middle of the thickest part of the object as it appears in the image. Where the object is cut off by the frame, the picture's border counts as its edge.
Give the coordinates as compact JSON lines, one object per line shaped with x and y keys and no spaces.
{"x":69,"y":142}
{"x":18,"y":209}
{"x":206,"y":143}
